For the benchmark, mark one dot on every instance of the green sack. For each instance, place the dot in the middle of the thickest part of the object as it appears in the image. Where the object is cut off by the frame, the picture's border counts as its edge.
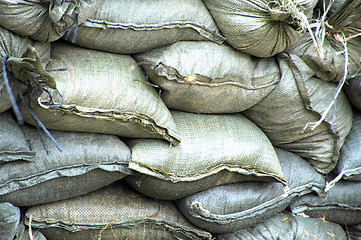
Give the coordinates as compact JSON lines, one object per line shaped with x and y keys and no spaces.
{"x":231,"y":207}
{"x":22,"y":233}
{"x":9,"y":220}
{"x":205,"y":77}
{"x":352,"y":89}
{"x":286,"y":226}
{"x":113,"y":212}
{"x":88,"y":162}
{"x":45,"y":20}
{"x":13,"y":144}
{"x":261,"y":28}
{"x":215,"y":150}
{"x":134,"y":26}
{"x":103,"y":93}
{"x":15,"y":47}
{"x":288,"y":115}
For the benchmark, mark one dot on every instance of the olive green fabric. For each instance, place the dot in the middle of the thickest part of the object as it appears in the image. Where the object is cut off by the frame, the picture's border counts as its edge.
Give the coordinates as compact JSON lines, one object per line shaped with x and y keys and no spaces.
{"x":134,"y":26}
{"x":13,"y":144}
{"x":205,"y":77}
{"x":342,"y":204}
{"x":44,"y":20}
{"x":88,"y":162}
{"x":289,"y":112}
{"x":113,"y":212}
{"x":16,"y":46}
{"x":261,"y":28}
{"x":285,"y":226}
{"x":9,"y":220}
{"x":215,"y":150}
{"x":22,"y":233}
{"x":228,"y":208}
{"x":353,"y":91}
{"x":103,"y":93}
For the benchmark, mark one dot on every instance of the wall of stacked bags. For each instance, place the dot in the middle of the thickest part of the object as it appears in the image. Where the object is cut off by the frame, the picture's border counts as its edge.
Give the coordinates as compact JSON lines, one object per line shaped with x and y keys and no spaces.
{"x":180,"y":119}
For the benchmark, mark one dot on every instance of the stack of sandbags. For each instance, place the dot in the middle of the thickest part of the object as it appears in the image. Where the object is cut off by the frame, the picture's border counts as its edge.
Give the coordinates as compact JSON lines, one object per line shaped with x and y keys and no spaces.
{"x":177,"y":120}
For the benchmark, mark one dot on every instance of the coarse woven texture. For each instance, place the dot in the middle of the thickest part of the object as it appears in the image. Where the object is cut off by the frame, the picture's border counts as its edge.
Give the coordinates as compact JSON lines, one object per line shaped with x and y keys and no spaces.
{"x":88,"y":162}
{"x":13,"y":144}
{"x":342,"y":204}
{"x":205,"y":77}
{"x":349,"y":162}
{"x":22,"y":233}
{"x":44,"y":20}
{"x":115,"y":211}
{"x":215,"y":150}
{"x":289,"y":113}
{"x":103,"y":93}
{"x":285,"y":226}
{"x":261,"y":28}
{"x":9,"y":220}
{"x":228,"y":208}
{"x":134,"y":26}
{"x":15,"y":46}
{"x":352,"y":89}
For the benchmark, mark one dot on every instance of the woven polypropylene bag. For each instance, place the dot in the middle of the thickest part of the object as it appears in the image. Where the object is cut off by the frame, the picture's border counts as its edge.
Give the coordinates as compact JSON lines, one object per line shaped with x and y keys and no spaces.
{"x":87,"y":162}
{"x":13,"y":45}
{"x":215,"y":150}
{"x":353,"y":91}
{"x":44,"y":20}
{"x":115,"y":211}
{"x":133,"y":26}
{"x":261,"y":28}
{"x":289,"y":115}
{"x":285,"y":226}
{"x":228,"y":208}
{"x":103,"y":93}
{"x":205,"y":77}
{"x":9,"y":220}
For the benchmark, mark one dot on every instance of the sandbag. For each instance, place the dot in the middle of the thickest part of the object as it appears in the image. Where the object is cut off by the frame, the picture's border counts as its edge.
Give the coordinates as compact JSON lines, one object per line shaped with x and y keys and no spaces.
{"x":102,"y":93}
{"x":14,"y":48}
{"x":9,"y":220}
{"x":13,"y":144}
{"x":349,"y":163}
{"x":134,"y":26}
{"x":22,"y":233}
{"x":115,"y":211}
{"x":288,"y":115}
{"x":205,"y":77}
{"x":328,"y":60}
{"x":342,"y":204}
{"x":228,"y":208}
{"x":286,"y":226}
{"x":215,"y":150}
{"x":44,"y":20}
{"x":261,"y":28}
{"x":87,"y":162}
{"x":352,"y":89}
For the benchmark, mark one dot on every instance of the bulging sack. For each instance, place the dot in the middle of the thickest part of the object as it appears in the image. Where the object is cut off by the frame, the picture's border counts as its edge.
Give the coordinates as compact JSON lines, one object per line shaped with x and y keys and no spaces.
{"x":261,"y":28}
{"x":45,"y":20}
{"x":215,"y":150}
{"x":103,"y":93}
{"x":87,"y":162}
{"x":115,"y":211}
{"x":291,"y":115}
{"x":205,"y":77}
{"x":134,"y":26}
{"x":9,"y":220}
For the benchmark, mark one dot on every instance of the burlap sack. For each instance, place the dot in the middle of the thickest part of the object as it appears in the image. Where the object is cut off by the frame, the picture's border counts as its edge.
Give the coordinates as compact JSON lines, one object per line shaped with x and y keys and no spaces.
{"x":286,"y":226}
{"x":87,"y":162}
{"x":14,"y":47}
{"x":13,"y":144}
{"x":288,"y":115}
{"x":231,"y":207}
{"x":133,"y":26}
{"x":45,"y":20}
{"x":204,"y":77}
{"x":9,"y":220}
{"x":103,"y":93}
{"x":215,"y":150}
{"x":113,"y":212}
{"x":261,"y":28}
